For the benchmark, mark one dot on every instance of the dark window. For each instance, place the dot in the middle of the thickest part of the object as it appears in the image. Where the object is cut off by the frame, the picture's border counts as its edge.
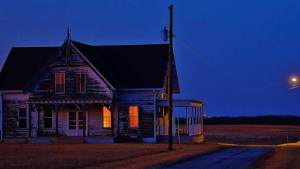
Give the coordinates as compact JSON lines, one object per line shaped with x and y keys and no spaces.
{"x":47,"y":117}
{"x":80,"y":83}
{"x":72,"y":120}
{"x":22,"y":118}
{"x":59,"y":82}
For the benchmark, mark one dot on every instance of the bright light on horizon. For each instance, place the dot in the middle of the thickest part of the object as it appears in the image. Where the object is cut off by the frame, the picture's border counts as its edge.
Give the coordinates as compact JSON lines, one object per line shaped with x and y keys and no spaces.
{"x":294,"y":79}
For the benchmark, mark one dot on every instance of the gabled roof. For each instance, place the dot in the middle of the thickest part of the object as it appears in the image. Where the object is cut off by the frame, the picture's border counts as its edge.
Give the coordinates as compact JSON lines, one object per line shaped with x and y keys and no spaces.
{"x":123,"y":66}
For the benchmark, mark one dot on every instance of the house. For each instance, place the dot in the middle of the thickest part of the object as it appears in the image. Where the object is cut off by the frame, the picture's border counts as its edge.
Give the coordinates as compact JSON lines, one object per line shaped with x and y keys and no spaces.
{"x":92,"y":91}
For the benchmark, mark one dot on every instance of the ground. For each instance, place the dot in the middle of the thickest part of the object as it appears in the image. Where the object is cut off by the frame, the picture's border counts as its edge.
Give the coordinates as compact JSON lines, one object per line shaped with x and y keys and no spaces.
{"x":252,"y":134}
{"x":283,"y":157}
{"x":138,"y":155}
{"x":134,"y":155}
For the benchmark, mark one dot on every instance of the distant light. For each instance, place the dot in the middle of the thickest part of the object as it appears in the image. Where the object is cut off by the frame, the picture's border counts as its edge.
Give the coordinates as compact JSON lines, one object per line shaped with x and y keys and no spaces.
{"x":294,"y":79}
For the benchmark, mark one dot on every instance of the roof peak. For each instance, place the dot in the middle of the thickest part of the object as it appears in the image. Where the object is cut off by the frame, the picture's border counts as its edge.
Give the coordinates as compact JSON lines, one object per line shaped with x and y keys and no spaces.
{"x":68,"y":34}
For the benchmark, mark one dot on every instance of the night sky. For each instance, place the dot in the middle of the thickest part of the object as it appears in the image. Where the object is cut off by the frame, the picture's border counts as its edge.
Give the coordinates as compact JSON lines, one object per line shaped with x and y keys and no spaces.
{"x":236,"y":55}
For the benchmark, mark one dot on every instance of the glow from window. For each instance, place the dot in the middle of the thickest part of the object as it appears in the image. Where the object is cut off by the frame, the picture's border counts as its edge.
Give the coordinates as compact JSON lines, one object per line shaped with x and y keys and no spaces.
{"x":133,"y":116}
{"x":106,"y":117}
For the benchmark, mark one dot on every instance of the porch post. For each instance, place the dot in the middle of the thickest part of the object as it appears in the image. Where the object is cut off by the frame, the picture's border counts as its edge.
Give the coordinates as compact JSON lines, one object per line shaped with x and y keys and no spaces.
{"x":56,"y":109}
{"x":201,"y":116}
{"x":112,"y":120}
{"x":29,"y":117}
{"x":187,"y":119}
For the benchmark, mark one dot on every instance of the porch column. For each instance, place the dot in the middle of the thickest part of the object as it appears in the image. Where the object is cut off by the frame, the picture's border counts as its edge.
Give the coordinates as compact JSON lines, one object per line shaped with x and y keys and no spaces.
{"x":56,"y":109}
{"x":112,"y":120}
{"x":187,"y":119}
{"x":29,"y":117}
{"x":190,"y":120}
{"x":201,"y":117}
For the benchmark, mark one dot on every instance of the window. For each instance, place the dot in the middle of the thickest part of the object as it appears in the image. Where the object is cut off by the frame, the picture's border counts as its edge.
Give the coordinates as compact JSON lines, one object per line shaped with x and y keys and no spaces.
{"x":47,"y":117}
{"x":80,"y":83}
{"x":106,"y":118}
{"x":59,"y":82}
{"x":22,"y":118}
{"x":133,"y":116}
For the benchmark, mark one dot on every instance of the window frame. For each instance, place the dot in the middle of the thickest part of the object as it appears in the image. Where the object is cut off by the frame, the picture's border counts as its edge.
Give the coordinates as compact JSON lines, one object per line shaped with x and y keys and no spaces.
{"x":48,"y":117}
{"x":22,"y":118}
{"x":62,"y":83}
{"x":80,"y":83}
{"x":131,"y":117}
{"x":106,"y":117}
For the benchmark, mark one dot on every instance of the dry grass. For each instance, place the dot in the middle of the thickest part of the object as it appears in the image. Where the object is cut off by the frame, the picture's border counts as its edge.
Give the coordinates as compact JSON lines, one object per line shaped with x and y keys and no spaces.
{"x":252,"y":134}
{"x":282,"y":157}
{"x":96,"y":155}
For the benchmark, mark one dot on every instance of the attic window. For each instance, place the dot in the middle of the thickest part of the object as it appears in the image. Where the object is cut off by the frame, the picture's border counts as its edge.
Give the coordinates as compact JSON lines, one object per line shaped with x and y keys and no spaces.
{"x":133,"y":116}
{"x":80,"y":83}
{"x":59,"y":82}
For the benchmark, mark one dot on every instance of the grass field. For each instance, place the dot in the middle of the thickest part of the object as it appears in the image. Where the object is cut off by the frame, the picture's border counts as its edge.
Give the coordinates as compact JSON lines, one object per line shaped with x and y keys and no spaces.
{"x":124,"y":155}
{"x":252,"y":134}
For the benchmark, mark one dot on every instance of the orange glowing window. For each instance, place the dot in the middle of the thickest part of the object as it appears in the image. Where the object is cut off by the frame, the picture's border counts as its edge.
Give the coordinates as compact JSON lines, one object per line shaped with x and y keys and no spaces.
{"x":59,"y":82}
{"x":106,"y":118}
{"x":133,"y":116}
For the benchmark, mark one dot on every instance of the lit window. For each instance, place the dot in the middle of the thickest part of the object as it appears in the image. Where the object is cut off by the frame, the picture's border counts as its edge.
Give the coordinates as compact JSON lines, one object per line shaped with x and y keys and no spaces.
{"x":47,"y":117}
{"x":59,"y":83}
{"x":133,"y":116}
{"x":80,"y":83}
{"x":106,"y":117}
{"x":22,"y":118}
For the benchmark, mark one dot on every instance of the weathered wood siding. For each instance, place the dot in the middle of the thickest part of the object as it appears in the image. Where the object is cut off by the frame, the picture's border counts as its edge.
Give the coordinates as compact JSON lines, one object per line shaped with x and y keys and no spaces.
{"x":145,"y":100}
{"x":43,"y":87}
{"x":11,"y":105}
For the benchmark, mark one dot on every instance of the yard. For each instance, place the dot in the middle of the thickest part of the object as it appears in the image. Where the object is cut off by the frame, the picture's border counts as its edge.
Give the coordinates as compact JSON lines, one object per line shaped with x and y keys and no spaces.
{"x":127,"y":155}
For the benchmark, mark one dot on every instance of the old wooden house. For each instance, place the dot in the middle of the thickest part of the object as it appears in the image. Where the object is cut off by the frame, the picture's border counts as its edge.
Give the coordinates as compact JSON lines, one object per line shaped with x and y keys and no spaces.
{"x":92,"y":91}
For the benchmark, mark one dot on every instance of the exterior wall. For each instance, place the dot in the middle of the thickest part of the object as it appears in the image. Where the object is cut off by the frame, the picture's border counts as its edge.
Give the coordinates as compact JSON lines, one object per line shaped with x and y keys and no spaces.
{"x":11,"y":105}
{"x":95,"y":122}
{"x":146,"y":101}
{"x":95,"y":87}
{"x":1,"y":126}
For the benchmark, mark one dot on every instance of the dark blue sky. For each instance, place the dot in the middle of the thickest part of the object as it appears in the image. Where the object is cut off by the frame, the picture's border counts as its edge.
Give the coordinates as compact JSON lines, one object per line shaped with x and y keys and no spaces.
{"x":235,"y":55}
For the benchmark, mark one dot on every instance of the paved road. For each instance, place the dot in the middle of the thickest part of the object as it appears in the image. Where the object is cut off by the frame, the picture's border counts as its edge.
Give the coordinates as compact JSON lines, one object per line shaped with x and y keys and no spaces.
{"x":232,"y":158}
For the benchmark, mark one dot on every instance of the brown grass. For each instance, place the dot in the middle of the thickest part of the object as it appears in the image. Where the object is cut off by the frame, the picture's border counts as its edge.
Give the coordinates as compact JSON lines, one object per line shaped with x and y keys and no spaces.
{"x":96,"y":155}
{"x":282,"y":157}
{"x":252,"y":134}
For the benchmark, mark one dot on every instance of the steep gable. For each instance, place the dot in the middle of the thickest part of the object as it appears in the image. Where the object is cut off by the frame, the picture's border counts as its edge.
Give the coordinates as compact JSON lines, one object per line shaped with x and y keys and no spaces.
{"x":120,"y":66}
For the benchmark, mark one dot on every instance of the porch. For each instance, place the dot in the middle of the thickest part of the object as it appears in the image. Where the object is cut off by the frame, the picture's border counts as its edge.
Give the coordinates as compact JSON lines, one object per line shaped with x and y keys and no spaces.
{"x":76,"y":118}
{"x":187,"y":119}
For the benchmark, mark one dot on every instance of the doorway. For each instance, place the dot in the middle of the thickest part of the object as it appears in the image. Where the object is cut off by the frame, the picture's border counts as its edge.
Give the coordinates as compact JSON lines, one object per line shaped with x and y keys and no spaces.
{"x":76,"y":124}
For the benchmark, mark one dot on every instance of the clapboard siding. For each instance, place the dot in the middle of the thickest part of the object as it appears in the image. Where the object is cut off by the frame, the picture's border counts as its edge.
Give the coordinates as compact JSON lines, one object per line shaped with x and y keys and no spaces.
{"x":11,"y":105}
{"x":95,"y":86}
{"x":146,"y":102}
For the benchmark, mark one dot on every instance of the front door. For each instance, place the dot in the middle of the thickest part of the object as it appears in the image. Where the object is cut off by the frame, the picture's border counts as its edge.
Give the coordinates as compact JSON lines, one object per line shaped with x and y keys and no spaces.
{"x":76,"y":123}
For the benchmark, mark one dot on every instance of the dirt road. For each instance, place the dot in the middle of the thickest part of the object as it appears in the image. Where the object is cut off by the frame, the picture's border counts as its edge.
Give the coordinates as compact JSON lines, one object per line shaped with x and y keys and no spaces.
{"x":232,"y":158}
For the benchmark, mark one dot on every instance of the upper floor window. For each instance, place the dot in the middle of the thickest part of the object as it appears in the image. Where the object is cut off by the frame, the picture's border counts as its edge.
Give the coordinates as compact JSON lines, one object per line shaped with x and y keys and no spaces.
{"x":133,"y":116}
{"x":59,"y":82}
{"x":80,"y":83}
{"x":106,"y":117}
{"x":22,"y":118}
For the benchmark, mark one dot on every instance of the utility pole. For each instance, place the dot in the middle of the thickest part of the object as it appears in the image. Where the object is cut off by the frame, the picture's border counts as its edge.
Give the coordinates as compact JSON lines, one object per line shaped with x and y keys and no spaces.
{"x":165,"y":34}
{"x":170,"y":86}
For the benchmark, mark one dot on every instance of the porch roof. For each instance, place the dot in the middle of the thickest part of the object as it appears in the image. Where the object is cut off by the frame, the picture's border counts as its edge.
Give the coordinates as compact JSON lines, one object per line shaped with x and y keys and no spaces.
{"x":70,"y":101}
{"x":180,"y":103}
{"x":84,"y":99}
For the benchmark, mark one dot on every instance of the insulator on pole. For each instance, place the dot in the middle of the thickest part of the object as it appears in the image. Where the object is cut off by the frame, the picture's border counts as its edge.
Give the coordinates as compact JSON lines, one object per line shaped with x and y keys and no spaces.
{"x":164,"y":34}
